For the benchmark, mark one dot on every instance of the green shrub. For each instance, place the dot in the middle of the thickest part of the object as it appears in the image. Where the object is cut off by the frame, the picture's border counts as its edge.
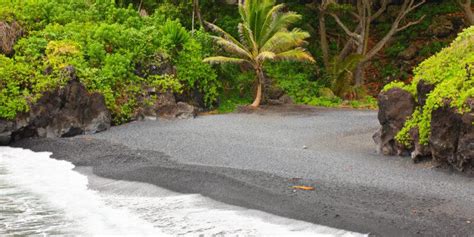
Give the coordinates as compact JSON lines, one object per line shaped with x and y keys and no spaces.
{"x":401,"y":85}
{"x":368,"y":102}
{"x":230,"y":102}
{"x":13,"y":96}
{"x":296,"y":80}
{"x":107,"y":45}
{"x":325,"y":101}
{"x":194,"y":73}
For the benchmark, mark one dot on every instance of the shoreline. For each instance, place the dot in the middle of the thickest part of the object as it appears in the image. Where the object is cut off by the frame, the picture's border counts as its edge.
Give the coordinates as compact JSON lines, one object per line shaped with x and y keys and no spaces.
{"x":361,"y":209}
{"x":178,"y":213}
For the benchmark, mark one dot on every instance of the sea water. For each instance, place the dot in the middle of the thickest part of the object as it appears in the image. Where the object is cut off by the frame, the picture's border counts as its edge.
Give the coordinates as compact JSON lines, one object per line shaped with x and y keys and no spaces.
{"x":43,"y":196}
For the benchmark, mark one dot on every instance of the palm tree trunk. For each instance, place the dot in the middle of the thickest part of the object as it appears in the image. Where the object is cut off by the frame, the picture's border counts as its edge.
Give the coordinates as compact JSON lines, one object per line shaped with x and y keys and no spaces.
{"x":258,"y":96}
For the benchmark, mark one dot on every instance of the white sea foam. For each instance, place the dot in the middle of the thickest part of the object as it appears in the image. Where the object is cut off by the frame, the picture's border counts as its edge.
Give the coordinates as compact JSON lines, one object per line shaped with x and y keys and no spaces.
{"x":132,"y":208}
{"x":64,"y":189}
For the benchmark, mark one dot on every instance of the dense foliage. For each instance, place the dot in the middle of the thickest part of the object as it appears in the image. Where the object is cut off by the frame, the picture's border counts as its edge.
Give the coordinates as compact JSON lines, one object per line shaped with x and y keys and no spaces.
{"x":122,"y":49}
{"x":451,"y":72}
{"x":115,"y":51}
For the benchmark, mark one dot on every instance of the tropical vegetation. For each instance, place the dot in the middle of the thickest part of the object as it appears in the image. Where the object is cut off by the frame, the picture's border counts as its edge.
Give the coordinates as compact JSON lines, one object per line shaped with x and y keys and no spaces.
{"x":116,"y":52}
{"x":264,"y":36}
{"x":318,"y":52}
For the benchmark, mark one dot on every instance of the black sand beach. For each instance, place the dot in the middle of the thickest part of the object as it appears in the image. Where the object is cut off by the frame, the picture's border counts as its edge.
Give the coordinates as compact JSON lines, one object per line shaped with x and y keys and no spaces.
{"x":253,"y":160}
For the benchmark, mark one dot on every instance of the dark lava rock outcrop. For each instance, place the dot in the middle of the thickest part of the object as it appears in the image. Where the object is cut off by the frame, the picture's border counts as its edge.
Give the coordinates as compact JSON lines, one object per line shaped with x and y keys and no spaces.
{"x":395,"y":106}
{"x":452,"y":137}
{"x":67,"y":111}
{"x":451,"y":142}
{"x":179,"y":110}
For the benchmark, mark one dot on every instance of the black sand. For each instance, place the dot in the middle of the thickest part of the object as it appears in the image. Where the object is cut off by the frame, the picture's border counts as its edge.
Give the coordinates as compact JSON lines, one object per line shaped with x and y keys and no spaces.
{"x":349,"y":200}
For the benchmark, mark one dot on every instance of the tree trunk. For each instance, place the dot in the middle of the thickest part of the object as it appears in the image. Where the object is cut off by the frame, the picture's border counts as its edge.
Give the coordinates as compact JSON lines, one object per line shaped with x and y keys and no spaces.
{"x":470,"y":16}
{"x":346,"y":51}
{"x":192,"y":22}
{"x":466,"y":6}
{"x":359,"y":74}
{"x":324,"y":39}
{"x":197,"y":13}
{"x":258,"y":95}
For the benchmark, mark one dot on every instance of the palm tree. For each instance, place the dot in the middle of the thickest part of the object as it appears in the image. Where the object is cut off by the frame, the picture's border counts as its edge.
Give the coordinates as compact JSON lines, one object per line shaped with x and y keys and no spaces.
{"x":264,"y":35}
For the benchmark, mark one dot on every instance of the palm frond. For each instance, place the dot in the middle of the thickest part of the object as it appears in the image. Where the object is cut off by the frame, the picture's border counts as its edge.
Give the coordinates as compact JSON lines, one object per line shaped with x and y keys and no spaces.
{"x":280,"y":21}
{"x":297,"y":54}
{"x":264,"y":7}
{"x":223,"y":34}
{"x":222,"y":59}
{"x":283,"y":40}
{"x":266,"y":55}
{"x":231,"y":47}
{"x":242,"y":11}
{"x":254,"y":14}
{"x":246,"y":35}
{"x":268,"y":19}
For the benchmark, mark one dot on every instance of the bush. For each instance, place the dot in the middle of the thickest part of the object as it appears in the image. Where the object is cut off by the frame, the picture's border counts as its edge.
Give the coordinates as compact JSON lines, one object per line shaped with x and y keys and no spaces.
{"x":449,"y":71}
{"x":13,"y":96}
{"x":111,"y":49}
{"x":296,"y":80}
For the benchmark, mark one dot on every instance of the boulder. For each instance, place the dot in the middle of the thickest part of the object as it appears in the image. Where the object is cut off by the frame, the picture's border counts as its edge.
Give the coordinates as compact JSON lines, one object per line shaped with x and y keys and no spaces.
{"x":286,"y":99}
{"x":6,"y":130}
{"x":165,"y":106}
{"x":409,"y":53}
{"x":445,"y":131}
{"x":465,"y":151}
{"x":420,"y":151}
{"x":179,"y":110}
{"x":452,"y":136}
{"x":271,"y":91}
{"x":67,"y":111}
{"x":274,"y":102}
{"x":274,"y":94}
{"x":326,"y":92}
{"x":441,"y":27}
{"x":165,"y":99}
{"x":282,"y":100}
{"x":395,"y":107}
{"x":422,"y":90}
{"x":158,"y":101}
